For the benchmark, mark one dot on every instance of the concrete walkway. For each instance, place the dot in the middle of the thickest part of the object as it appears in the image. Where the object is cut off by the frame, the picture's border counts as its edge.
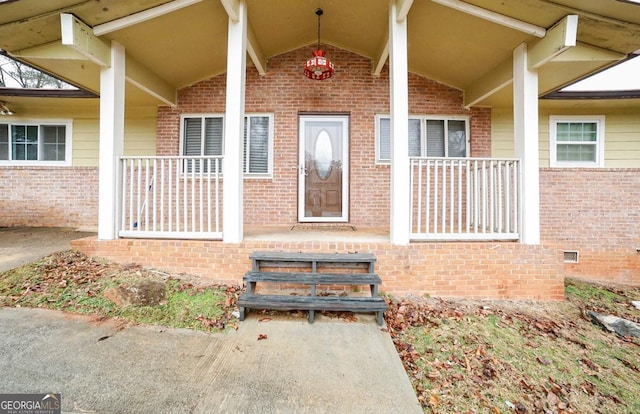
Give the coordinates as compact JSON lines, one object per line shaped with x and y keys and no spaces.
{"x":22,"y":245}
{"x":103,"y":367}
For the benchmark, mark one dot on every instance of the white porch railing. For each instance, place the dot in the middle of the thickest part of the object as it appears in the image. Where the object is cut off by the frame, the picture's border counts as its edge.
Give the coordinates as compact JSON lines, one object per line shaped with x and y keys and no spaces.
{"x":465,"y":199}
{"x":171,"y":197}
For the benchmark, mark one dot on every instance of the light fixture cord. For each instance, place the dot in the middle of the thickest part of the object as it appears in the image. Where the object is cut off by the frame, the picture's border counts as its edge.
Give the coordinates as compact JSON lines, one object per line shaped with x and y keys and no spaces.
{"x":319,"y":14}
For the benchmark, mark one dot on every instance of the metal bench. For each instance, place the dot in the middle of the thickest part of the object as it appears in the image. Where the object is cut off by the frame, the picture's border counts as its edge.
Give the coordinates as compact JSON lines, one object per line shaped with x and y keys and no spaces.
{"x":312,"y":278}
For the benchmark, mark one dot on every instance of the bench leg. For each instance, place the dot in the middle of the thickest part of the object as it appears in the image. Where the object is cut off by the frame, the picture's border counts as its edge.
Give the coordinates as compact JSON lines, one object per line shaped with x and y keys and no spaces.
{"x":380,"y":317}
{"x":242,"y":313}
{"x":312,"y":315}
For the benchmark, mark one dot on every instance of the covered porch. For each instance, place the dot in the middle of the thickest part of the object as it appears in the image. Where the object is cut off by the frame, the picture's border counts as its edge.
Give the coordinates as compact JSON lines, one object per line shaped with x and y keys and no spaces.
{"x":177,"y":196}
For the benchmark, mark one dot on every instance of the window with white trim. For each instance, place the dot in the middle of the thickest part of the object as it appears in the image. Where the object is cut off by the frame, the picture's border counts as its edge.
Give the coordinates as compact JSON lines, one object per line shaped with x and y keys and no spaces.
{"x":576,"y":141}
{"x":429,"y":136}
{"x":203,"y":135}
{"x":29,"y":143}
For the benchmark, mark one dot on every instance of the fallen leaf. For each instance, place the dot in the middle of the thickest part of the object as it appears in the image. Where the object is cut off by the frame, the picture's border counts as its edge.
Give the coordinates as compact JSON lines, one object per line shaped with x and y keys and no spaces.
{"x":434,"y":401}
{"x":552,"y":399}
{"x":590,"y":364}
{"x":543,"y":361}
{"x":261,"y":337}
{"x":264,"y":319}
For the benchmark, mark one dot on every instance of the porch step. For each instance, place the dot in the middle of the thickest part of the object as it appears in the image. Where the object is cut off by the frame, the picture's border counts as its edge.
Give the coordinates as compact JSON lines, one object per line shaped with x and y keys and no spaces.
{"x":311,"y":262}
{"x":298,"y":259}
{"x":314,"y":278}
{"x":313,"y":303}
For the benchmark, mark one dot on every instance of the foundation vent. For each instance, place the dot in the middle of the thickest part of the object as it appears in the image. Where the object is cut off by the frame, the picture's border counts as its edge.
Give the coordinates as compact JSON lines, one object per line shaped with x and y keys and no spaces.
{"x":571,"y":256}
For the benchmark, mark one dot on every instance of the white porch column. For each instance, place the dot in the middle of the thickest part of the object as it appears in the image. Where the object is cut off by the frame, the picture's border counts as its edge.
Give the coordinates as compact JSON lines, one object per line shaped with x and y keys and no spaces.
{"x":232,"y":205}
{"x":399,"y":89}
{"x":112,"y":80}
{"x":525,"y":122}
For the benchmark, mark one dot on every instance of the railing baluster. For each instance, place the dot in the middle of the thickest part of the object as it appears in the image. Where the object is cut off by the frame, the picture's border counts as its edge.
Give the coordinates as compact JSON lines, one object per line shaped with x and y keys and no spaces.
{"x":419,"y":216}
{"x":476,"y":195}
{"x":427,"y":205}
{"x":451,"y":194}
{"x":180,"y":165}
{"x":516,"y":196}
{"x":500,"y":193}
{"x":193,"y":196}
{"x":122,"y":165}
{"x":162,"y":194}
{"x":201,"y":196}
{"x":217,"y":176}
{"x":170,"y":204}
{"x":209,"y":195}
{"x":137,"y":223}
{"x":459,"y":196}
{"x":484,"y":196}
{"x":435,"y":196}
{"x":444,"y":196}
{"x":185,"y":196}
{"x":492,"y":196}
{"x":468,"y":196}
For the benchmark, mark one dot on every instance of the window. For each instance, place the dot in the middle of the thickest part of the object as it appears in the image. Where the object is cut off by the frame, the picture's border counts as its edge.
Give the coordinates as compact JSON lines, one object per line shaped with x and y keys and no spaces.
{"x":203,"y":135}
{"x":576,"y":141}
{"x":426,"y":137}
{"x":27,"y":143}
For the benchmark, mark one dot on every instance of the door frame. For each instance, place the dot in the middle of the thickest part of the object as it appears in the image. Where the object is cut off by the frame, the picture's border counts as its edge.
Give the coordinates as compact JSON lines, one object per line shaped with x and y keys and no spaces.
{"x":302,"y":122}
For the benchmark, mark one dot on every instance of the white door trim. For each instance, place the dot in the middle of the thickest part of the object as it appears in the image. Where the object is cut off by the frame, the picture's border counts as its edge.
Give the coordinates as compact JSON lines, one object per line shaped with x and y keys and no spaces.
{"x":344,"y":128}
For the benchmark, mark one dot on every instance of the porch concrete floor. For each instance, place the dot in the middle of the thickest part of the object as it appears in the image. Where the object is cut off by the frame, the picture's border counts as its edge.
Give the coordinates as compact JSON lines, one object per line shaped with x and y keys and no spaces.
{"x":330,"y":366}
{"x":306,"y":232}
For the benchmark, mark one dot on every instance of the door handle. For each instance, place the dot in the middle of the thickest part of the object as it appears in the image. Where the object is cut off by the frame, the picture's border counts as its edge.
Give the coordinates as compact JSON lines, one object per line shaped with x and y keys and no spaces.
{"x":302,"y":170}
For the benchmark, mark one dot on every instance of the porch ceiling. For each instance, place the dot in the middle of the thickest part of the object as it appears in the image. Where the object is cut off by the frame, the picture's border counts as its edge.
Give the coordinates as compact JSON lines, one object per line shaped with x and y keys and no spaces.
{"x":188,"y":43}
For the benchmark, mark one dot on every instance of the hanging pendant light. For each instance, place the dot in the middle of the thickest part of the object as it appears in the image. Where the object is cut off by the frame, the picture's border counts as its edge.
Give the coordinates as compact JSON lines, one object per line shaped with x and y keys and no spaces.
{"x":319,"y":67}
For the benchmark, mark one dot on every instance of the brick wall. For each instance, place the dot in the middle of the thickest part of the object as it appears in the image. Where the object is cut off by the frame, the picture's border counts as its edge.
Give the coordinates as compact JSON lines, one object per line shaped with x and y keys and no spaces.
{"x":49,"y":196}
{"x":285,"y":92}
{"x":479,"y":270}
{"x":597,"y":213}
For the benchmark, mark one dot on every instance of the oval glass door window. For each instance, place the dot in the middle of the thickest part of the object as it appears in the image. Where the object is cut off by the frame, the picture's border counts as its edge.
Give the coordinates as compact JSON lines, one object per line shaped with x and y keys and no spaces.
{"x":324,"y":155}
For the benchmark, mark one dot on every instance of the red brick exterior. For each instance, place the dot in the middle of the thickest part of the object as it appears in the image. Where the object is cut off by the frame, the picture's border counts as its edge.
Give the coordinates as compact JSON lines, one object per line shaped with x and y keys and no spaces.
{"x":597,"y":213}
{"x":472,"y":270}
{"x":286,"y":93}
{"x":49,"y":196}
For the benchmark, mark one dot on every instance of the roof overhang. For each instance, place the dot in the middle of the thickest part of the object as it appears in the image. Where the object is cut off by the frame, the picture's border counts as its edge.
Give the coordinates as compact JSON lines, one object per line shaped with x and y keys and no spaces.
{"x":465,"y":44}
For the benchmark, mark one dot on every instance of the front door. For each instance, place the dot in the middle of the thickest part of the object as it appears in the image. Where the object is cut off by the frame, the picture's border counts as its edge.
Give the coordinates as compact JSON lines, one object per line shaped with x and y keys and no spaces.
{"x":323,"y":168}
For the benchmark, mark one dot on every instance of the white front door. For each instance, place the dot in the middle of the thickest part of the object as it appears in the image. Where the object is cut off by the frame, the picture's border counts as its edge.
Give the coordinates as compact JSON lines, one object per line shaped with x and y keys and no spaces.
{"x":323,"y":168}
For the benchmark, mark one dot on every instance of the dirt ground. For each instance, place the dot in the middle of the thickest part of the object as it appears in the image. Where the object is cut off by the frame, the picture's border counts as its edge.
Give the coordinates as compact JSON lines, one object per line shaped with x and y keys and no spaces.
{"x":21,"y":245}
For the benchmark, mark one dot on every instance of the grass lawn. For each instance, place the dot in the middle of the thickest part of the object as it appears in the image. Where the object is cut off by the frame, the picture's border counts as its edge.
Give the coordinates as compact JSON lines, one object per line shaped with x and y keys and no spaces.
{"x":461,"y":356}
{"x":515,"y":357}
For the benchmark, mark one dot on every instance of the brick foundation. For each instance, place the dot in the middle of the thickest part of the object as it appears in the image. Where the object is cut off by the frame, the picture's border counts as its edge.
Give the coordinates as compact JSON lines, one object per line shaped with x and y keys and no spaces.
{"x":597,"y":213}
{"x":452,"y":270}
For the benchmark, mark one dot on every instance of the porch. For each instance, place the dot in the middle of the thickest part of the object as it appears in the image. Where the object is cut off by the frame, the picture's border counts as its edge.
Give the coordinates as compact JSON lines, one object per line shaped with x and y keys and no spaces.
{"x":452,"y":199}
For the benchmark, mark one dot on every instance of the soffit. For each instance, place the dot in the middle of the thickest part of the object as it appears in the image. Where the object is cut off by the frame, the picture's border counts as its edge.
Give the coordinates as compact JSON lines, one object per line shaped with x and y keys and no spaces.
{"x":446,"y":45}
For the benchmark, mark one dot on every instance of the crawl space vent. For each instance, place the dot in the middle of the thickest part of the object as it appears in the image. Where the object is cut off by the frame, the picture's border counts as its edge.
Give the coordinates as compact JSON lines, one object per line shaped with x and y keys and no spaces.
{"x":571,"y":256}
